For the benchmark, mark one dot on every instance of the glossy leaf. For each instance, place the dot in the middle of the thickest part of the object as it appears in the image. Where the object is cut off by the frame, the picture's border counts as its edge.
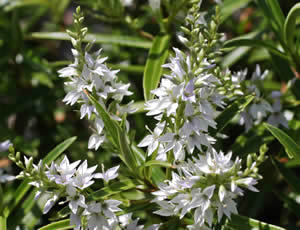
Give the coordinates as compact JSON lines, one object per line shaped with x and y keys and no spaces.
{"x":290,"y":26}
{"x":291,"y":147}
{"x":273,"y":15}
{"x":3,"y":223}
{"x":153,"y":69}
{"x":157,"y":163}
{"x":110,"y":125}
{"x":238,"y":42}
{"x":227,"y":8}
{"x":112,"y":189}
{"x":117,"y":134}
{"x":59,"y":225}
{"x":238,"y":222}
{"x":98,"y":38}
{"x":13,"y":4}
{"x":51,"y":156}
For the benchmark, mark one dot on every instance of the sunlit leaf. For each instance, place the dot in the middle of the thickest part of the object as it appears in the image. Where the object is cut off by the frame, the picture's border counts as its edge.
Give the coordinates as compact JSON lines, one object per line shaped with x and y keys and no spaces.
{"x":291,"y":147}
{"x":98,"y":38}
{"x":59,"y":225}
{"x":153,"y":69}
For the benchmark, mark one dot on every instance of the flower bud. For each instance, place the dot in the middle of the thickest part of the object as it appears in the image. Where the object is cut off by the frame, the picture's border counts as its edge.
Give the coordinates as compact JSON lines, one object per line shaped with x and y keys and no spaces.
{"x":249,"y":161}
{"x":18,"y":156}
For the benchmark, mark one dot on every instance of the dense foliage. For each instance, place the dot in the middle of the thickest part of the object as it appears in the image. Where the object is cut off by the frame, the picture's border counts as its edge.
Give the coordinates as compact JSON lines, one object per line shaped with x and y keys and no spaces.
{"x":159,"y":114}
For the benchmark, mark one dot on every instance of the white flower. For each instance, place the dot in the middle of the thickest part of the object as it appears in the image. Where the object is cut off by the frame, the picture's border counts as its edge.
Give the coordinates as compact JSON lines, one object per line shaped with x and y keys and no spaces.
{"x":63,"y":172}
{"x":83,"y":176}
{"x":5,"y":145}
{"x":205,"y":187}
{"x":110,"y":174}
{"x":152,"y":141}
{"x":98,"y":138}
{"x":50,"y":202}
{"x":75,"y":199}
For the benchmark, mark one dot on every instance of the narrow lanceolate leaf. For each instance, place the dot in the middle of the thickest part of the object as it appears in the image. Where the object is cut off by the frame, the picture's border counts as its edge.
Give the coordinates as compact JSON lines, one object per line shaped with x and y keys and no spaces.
{"x":274,"y":16}
{"x":238,"y":42}
{"x":117,"y":134}
{"x":288,"y":175}
{"x":51,"y":156}
{"x":115,"y":188}
{"x":227,"y":8}
{"x":153,"y":69}
{"x":2,"y":222}
{"x":59,"y":225}
{"x":229,"y":113}
{"x":238,"y":222}
{"x":276,"y":12}
{"x":291,"y":147}
{"x":98,"y":38}
{"x":290,"y":26}
{"x":157,"y":163}
{"x":110,"y":125}
{"x":13,"y":4}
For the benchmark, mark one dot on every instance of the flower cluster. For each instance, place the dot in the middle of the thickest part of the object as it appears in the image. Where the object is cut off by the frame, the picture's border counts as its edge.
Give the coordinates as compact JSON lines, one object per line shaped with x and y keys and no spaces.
{"x":206,"y":187}
{"x":185,"y":106}
{"x":89,"y":74}
{"x":260,"y":108}
{"x":71,"y":181}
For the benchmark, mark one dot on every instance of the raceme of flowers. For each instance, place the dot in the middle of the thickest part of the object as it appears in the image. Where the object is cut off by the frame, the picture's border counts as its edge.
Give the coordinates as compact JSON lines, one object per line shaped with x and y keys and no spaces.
{"x":260,"y":108}
{"x":89,"y":74}
{"x":69,"y":182}
{"x":185,"y":106}
{"x":207,"y":187}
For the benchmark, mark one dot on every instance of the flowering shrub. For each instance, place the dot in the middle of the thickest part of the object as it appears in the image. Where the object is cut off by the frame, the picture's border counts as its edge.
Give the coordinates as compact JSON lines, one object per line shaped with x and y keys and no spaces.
{"x":187,"y":171}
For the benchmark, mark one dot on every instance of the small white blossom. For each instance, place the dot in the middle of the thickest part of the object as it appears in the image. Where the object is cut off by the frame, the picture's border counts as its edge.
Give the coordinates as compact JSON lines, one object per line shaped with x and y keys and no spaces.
{"x":5,"y":145}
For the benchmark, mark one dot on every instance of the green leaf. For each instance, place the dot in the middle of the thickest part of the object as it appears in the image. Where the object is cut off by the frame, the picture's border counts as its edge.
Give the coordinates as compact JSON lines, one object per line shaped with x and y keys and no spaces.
{"x":126,"y":151}
{"x":118,"y":135}
{"x":128,"y":68}
{"x":290,"y":26}
{"x":229,"y":6}
{"x":157,"y":163}
{"x":153,"y":69}
{"x":1,"y":199}
{"x":110,"y":125}
{"x":276,"y":12}
{"x":115,"y":188}
{"x":2,"y":222}
{"x":238,"y":42}
{"x":234,"y":56}
{"x":64,"y":212}
{"x":58,"y":150}
{"x":291,"y":147}
{"x":272,"y":12}
{"x":51,"y":156}
{"x":13,"y":4}
{"x":59,"y":225}
{"x":239,"y":52}
{"x":238,"y":222}
{"x":99,"y":38}
{"x":288,"y":175}
{"x":228,"y":114}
